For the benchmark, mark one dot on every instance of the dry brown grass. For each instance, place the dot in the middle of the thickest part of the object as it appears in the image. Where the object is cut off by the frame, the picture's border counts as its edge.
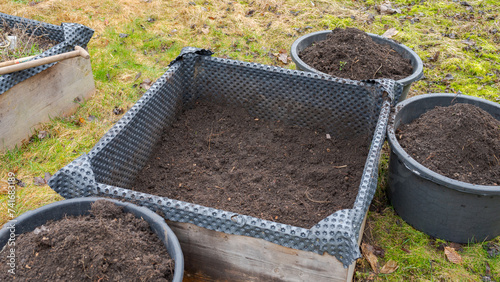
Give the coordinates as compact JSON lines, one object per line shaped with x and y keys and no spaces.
{"x":233,"y":30}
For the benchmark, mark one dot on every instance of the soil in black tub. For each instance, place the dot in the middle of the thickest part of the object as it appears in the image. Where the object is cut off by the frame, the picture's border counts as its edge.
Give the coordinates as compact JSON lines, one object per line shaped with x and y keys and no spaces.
{"x":108,"y":245}
{"x":351,"y":53}
{"x":221,"y":157}
{"x":461,"y":142}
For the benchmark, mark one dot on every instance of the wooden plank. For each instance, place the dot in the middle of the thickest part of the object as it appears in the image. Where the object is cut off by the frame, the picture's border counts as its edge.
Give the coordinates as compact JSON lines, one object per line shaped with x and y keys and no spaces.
{"x":43,"y":96}
{"x":352,"y":267}
{"x":216,"y":256}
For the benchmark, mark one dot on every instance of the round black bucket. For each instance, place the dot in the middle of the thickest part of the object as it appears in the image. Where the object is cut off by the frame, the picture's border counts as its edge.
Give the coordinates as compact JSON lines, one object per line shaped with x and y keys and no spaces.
{"x":433,"y":203}
{"x":30,"y":220}
{"x":307,"y":40}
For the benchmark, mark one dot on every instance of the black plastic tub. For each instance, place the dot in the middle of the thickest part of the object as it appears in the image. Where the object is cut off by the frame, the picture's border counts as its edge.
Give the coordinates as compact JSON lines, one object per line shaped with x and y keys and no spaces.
{"x":433,"y":203}
{"x":307,"y":40}
{"x":28,"y":221}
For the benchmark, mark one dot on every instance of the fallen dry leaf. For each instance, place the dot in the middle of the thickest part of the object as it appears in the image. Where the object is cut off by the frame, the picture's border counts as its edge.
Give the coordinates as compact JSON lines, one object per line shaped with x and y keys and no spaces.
{"x":452,"y":255}
{"x":42,"y":134}
{"x":137,"y":76}
{"x":390,"y":33}
{"x":205,"y":30}
{"x":47,"y":177}
{"x":435,"y":57}
{"x":487,"y":268}
{"x":469,"y":42}
{"x":146,"y":84}
{"x":117,"y":110}
{"x":39,"y":181}
{"x":492,"y":249}
{"x":387,"y":9}
{"x":4,"y":187}
{"x":405,"y":250}
{"x":449,"y":77}
{"x":20,"y":183}
{"x":283,"y":57}
{"x":389,"y":267}
{"x":367,"y":250}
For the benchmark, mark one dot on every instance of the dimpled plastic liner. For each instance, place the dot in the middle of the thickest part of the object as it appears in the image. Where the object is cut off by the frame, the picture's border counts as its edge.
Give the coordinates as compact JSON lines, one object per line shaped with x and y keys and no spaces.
{"x":339,"y":107}
{"x":68,"y":35}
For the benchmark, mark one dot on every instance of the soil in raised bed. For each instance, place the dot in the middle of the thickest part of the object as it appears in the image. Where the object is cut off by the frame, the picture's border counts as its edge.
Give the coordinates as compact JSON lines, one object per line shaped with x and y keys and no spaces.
{"x":460,"y":141}
{"x":219,"y":156}
{"x":351,"y":53}
{"x":26,"y":44}
{"x":109,"y":245}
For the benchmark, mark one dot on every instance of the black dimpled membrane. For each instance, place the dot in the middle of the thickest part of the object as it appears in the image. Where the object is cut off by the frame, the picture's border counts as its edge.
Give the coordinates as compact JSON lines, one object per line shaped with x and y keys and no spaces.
{"x":338,"y":106}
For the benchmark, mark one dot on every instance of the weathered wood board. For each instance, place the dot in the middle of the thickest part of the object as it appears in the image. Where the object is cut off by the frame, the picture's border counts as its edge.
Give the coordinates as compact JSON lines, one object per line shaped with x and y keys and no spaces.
{"x":216,"y":256}
{"x":53,"y":92}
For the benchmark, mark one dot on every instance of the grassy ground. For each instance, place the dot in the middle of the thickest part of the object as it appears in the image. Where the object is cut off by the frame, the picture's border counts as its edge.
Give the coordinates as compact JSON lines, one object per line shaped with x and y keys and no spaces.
{"x":458,"y":42}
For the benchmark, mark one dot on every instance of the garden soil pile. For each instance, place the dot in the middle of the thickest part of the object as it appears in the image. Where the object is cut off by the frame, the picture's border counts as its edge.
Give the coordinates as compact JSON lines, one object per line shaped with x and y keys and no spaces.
{"x":221,"y":157}
{"x":351,"y":53}
{"x":461,"y":142}
{"x":108,"y":245}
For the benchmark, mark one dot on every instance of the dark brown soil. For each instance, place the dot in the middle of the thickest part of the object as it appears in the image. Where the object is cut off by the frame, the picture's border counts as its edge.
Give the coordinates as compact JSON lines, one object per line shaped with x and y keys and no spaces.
{"x":27,"y":44}
{"x":351,"y":53}
{"x":109,"y":246}
{"x":219,"y":156}
{"x":461,"y":141}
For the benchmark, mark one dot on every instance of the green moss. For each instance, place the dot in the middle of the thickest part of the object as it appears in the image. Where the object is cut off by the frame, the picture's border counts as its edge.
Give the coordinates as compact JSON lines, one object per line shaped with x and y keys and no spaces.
{"x":116,"y":61}
{"x":335,"y":22}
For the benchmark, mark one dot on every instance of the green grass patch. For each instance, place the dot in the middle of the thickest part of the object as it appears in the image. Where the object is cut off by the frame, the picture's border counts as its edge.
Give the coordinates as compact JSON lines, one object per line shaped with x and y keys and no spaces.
{"x":451,"y":38}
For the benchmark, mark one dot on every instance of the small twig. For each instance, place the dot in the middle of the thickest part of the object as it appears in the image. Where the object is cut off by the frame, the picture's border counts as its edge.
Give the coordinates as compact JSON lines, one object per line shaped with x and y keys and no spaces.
{"x":498,"y":161}
{"x":377,"y":71}
{"x":469,"y":143}
{"x":430,"y":156}
{"x":314,"y":201}
{"x":471,"y":164}
{"x":340,"y":166}
{"x":210,"y":137}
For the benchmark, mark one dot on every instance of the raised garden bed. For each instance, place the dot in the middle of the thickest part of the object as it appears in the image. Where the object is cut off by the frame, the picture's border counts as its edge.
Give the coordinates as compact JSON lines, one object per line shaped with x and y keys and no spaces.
{"x":17,"y":42}
{"x":32,"y":96}
{"x":444,"y":168}
{"x":224,"y":244}
{"x":99,"y":240}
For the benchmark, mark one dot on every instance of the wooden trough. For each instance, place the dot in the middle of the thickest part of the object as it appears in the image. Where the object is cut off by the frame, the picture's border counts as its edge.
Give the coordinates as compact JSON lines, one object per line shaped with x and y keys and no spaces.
{"x":53,"y":92}
{"x":216,"y":256}
{"x":221,"y":245}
